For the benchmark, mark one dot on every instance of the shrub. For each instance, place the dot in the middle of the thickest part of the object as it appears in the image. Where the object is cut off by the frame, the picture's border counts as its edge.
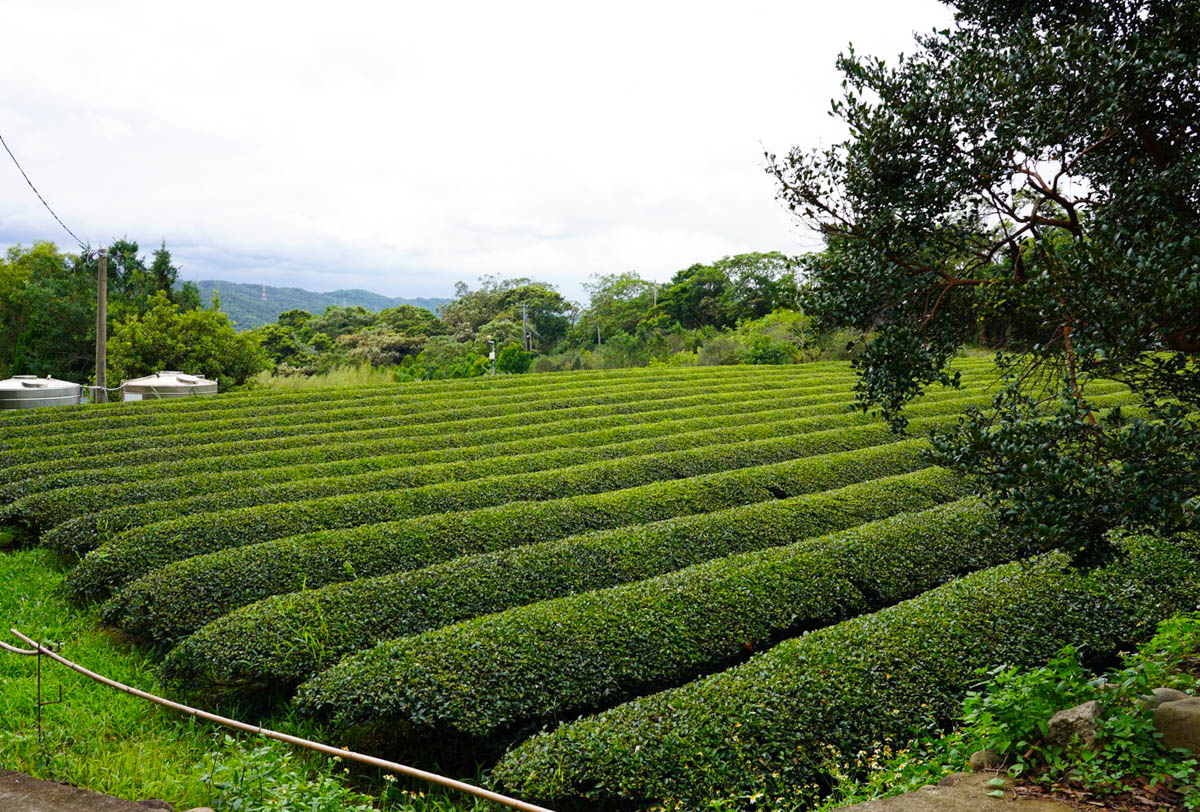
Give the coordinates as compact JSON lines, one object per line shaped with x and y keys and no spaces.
{"x":228,"y":457}
{"x":175,"y":496}
{"x":244,"y":489}
{"x":354,"y":416}
{"x":762,"y":727}
{"x":557,"y":658}
{"x":140,"y":550}
{"x":258,"y":649}
{"x":464,"y":419}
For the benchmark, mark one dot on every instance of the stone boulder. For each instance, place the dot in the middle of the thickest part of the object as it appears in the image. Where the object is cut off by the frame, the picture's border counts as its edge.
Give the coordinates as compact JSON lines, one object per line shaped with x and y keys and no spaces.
{"x":982,"y":760}
{"x":1161,"y":695}
{"x":1080,"y":723}
{"x":1179,"y":724}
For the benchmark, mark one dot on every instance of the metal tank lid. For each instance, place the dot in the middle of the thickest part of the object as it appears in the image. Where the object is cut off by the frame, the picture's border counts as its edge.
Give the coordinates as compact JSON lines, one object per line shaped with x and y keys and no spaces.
{"x":170,"y":377}
{"x":34,"y":383}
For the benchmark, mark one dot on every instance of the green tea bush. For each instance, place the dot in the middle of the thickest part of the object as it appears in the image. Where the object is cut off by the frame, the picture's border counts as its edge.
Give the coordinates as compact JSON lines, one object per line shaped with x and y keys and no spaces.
{"x":232,"y":457}
{"x":49,"y":508}
{"x":196,"y":434}
{"x":138,"y":551}
{"x":763,"y":727}
{"x":558,"y":658}
{"x":245,"y":489}
{"x":346,"y":432}
{"x":273,"y":645}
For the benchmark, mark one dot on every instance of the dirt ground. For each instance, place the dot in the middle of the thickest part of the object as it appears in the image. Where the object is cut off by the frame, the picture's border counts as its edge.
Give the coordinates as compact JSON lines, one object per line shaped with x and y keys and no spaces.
{"x":961,"y":792}
{"x":20,"y":793}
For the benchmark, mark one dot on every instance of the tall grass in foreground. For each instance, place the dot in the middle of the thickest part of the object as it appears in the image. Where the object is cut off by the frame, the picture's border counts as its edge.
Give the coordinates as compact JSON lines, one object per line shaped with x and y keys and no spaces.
{"x":106,"y":741}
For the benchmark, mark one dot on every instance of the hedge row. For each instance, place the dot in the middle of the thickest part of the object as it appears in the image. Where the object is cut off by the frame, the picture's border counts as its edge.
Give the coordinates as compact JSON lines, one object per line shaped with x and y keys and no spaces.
{"x":533,"y":664}
{"x":199,"y":434}
{"x":373,"y":426}
{"x":384,"y":441}
{"x":394,"y":402}
{"x":273,"y":645}
{"x":140,"y":550}
{"x":390,"y":473}
{"x":766,"y":726}
{"x":89,"y":417}
{"x":48,"y":508}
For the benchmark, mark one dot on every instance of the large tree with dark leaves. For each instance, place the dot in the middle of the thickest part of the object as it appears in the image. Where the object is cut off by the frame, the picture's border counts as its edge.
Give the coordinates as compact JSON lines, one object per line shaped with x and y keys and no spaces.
{"x":1037,"y":165}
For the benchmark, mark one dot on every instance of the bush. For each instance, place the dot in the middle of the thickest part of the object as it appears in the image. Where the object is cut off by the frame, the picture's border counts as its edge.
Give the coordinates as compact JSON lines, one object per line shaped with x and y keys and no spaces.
{"x":228,"y":457}
{"x":355,"y":415}
{"x":111,"y":503}
{"x":145,"y":503}
{"x":255,"y":650}
{"x":764,"y":727}
{"x":558,"y":658}
{"x":721,"y":350}
{"x":138,"y":551}
{"x":513,"y":360}
{"x":466,"y":419}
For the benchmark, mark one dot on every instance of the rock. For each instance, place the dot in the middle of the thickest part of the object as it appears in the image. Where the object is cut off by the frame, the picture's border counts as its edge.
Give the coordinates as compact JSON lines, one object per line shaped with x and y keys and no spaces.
{"x":982,"y":760}
{"x":201,"y":809}
{"x":1079,"y":723}
{"x":1179,"y":724}
{"x":1161,"y":695}
{"x":155,"y":803}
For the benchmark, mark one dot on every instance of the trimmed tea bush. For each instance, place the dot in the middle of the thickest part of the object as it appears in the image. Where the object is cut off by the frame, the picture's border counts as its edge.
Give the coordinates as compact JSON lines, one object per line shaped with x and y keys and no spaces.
{"x":402,"y":471}
{"x":557,"y":658}
{"x":273,"y":645}
{"x":763,"y":727}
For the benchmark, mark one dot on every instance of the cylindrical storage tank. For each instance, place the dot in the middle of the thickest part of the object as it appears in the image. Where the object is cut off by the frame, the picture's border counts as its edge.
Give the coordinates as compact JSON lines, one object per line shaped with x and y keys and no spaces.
{"x":167,"y":384}
{"x":30,"y":391}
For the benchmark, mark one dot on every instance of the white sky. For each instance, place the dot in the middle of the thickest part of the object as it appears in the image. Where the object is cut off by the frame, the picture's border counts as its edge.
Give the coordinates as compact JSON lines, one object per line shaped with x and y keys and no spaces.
{"x":401,"y":146}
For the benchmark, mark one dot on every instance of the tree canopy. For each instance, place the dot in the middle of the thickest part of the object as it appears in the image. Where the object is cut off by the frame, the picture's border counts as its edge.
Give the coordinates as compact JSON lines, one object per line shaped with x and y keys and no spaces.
{"x":1036,"y":165}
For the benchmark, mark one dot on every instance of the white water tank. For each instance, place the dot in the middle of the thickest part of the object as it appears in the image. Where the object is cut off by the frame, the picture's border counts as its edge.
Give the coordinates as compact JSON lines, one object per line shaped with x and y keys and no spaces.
{"x":30,"y":391}
{"x":167,"y":384}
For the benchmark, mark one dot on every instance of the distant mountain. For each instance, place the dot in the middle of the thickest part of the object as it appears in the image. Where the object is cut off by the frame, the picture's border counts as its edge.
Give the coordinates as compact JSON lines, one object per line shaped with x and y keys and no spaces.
{"x":247,"y":307}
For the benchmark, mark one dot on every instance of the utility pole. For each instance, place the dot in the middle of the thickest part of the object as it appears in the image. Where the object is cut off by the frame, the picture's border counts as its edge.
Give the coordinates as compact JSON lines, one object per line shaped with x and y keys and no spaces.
{"x":492,"y":354}
{"x":102,"y":328}
{"x":525,"y":326}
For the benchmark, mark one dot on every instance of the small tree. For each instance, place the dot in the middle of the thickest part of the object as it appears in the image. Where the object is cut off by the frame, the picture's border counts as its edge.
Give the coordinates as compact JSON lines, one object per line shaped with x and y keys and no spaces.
{"x":513,"y":360}
{"x":1038,"y":164}
{"x":201,"y":342}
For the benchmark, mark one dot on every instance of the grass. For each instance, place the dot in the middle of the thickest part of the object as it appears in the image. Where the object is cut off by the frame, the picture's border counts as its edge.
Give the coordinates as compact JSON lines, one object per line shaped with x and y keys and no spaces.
{"x":109,"y":742}
{"x":340,"y":376}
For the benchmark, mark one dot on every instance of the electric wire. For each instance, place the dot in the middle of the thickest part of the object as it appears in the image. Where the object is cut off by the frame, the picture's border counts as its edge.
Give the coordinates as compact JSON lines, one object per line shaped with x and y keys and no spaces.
{"x":17,"y":163}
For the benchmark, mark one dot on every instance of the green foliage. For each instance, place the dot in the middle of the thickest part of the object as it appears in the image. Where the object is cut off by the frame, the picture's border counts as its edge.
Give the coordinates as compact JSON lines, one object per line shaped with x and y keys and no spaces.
{"x":513,"y":360}
{"x":1030,"y":173}
{"x":557,"y":658}
{"x":339,"y":619}
{"x":764,"y":727}
{"x":139,"y":550}
{"x":200,"y":342}
{"x":47,"y":313}
{"x":43,"y":508}
{"x":1067,"y":479}
{"x":1009,"y":714}
{"x":264,"y":779}
{"x":41,"y":469}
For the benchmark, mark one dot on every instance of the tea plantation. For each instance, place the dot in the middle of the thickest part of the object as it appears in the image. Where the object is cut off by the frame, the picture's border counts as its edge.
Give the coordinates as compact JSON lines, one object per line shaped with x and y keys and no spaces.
{"x":619,"y":590}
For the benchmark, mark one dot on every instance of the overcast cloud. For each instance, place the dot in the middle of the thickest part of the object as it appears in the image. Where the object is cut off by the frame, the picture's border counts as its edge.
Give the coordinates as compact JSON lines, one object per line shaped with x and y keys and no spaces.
{"x":400,"y":147}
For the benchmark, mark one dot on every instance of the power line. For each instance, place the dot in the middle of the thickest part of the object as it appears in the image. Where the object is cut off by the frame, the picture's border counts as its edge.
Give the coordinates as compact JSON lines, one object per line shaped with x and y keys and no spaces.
{"x":82,"y":244}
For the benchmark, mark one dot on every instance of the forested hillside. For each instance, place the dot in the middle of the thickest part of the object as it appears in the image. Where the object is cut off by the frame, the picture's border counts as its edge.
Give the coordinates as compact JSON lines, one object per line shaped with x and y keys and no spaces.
{"x":250,"y":305}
